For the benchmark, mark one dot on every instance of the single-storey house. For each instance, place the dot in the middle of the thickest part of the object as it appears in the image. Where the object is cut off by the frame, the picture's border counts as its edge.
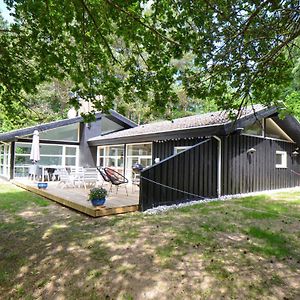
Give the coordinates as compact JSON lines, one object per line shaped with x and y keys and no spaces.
{"x":195,"y":157}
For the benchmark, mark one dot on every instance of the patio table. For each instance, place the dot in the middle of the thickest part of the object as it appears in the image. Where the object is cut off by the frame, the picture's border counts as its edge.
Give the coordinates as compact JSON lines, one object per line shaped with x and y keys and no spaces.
{"x":43,"y":168}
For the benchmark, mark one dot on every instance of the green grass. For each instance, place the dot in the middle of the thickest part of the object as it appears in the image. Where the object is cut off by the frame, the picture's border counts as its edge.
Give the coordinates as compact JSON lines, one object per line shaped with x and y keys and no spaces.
{"x":228,"y":249}
{"x":14,"y":199}
{"x":270,"y":243}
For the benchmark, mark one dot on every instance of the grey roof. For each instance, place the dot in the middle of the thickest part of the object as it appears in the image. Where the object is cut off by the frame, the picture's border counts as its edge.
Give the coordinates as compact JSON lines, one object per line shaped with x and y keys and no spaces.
{"x":11,"y":135}
{"x":207,"y":120}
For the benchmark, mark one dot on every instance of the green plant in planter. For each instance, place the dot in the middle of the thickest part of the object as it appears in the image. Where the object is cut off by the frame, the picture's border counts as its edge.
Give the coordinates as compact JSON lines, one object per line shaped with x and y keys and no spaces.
{"x":97,"y":193}
{"x":97,"y":196}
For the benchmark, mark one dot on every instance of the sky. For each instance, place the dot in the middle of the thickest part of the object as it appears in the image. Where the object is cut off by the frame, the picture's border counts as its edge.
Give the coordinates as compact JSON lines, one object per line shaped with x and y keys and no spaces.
{"x":5,"y":12}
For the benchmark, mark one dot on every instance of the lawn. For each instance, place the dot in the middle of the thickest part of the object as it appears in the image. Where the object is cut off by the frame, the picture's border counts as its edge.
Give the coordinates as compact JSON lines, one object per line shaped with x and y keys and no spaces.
{"x":236,"y":249}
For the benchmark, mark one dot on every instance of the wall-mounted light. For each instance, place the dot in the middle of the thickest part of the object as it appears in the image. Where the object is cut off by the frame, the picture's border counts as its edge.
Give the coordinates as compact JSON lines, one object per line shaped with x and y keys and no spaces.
{"x":295,"y":153}
{"x":251,"y":151}
{"x":239,"y":130}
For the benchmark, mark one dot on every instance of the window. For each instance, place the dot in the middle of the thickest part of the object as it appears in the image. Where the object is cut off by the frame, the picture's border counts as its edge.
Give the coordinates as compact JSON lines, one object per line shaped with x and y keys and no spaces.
{"x":281,"y":159}
{"x":108,"y":126}
{"x":111,"y":157}
{"x":272,"y":130}
{"x":64,"y":133}
{"x":137,"y":153}
{"x":4,"y":159}
{"x":255,"y":129}
{"x":180,"y":149}
{"x":58,"y":155}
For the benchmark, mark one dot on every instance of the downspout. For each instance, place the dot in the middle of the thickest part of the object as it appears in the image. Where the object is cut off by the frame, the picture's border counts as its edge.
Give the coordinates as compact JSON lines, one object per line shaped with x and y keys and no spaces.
{"x":219,"y":180}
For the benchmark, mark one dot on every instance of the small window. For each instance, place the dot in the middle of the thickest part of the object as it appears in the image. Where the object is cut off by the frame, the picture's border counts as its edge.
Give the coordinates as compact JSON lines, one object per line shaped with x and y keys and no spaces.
{"x":281,"y":159}
{"x":180,"y":149}
{"x":255,"y":129}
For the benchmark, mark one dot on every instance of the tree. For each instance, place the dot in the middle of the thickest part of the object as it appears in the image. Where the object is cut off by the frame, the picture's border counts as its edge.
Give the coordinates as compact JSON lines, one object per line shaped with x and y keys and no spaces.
{"x":238,"y":50}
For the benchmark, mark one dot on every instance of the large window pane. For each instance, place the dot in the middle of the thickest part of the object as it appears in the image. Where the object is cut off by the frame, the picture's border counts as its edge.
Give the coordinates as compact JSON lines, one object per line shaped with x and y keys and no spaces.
{"x":65,"y":133}
{"x":70,"y":151}
{"x":70,"y":161}
{"x":22,"y":148}
{"x":139,"y":149}
{"x":22,"y":160}
{"x":51,"y":149}
{"x":255,"y":129}
{"x":108,"y":126}
{"x":116,"y":151}
{"x":50,"y":160}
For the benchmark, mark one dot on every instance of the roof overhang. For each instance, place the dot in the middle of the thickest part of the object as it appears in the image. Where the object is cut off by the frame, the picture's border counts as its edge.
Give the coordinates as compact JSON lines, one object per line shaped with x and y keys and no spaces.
{"x":167,"y":135}
{"x":249,"y":119}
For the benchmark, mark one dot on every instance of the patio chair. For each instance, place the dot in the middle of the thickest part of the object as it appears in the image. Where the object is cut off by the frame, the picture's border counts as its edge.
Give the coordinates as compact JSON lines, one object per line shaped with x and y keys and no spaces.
{"x":104,"y":177}
{"x":77,"y":173}
{"x":65,"y":178}
{"x":34,"y":172}
{"x":116,"y":179}
{"x":90,"y":176}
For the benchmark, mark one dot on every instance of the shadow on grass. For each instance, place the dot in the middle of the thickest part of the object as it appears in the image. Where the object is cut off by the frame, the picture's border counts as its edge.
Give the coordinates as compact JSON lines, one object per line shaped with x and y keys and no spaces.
{"x":195,"y":252}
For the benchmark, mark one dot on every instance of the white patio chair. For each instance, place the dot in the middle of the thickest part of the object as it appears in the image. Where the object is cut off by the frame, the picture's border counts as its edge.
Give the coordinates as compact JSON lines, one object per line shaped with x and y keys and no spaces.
{"x":65,"y":178}
{"x":34,"y":172}
{"x":77,"y":173}
{"x":91,"y":177}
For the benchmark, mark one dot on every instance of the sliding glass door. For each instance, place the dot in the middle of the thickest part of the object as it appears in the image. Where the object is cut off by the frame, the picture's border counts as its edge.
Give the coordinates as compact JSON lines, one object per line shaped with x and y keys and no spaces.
{"x":111,"y":157}
{"x":137,"y":153}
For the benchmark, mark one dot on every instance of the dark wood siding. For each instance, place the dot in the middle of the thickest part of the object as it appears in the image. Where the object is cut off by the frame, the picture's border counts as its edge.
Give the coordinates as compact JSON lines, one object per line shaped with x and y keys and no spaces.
{"x":164,"y":149}
{"x":192,"y":171}
{"x":243,"y":173}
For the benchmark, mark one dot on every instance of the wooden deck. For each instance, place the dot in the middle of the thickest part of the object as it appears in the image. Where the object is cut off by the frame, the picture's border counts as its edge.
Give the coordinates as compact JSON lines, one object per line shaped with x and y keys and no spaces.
{"x":76,"y":198}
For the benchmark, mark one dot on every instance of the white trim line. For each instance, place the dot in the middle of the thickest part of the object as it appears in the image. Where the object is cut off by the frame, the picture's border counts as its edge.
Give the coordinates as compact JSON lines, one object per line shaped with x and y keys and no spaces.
{"x":268,"y":138}
{"x":219,"y":185}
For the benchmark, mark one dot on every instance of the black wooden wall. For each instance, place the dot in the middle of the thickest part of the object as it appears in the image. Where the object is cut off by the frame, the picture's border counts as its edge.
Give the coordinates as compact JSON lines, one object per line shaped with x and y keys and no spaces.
{"x":243,"y":173}
{"x":193,"y":171}
{"x":164,"y":149}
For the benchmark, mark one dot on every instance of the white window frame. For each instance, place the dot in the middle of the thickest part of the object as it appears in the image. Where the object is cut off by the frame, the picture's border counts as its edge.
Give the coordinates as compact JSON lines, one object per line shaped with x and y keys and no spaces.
{"x":63,"y":155}
{"x":183,"y":148}
{"x":283,"y":164}
{"x":128,"y":169}
{"x":5,"y":164}
{"x":139,"y":156}
{"x":105,"y":156}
